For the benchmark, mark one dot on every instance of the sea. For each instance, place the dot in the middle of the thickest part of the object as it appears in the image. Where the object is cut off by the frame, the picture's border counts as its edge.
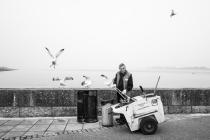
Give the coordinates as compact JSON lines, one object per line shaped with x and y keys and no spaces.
{"x":147,"y":78}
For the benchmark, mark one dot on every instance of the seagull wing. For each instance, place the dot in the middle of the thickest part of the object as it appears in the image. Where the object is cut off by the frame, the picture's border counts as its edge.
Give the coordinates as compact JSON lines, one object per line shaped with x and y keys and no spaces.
{"x":62,"y":84}
{"x":102,"y":75}
{"x":86,"y":77}
{"x":83,"y":83}
{"x":89,"y":82}
{"x":56,"y":79}
{"x":49,"y":52}
{"x":68,"y":78}
{"x":59,"y":53}
{"x":108,"y":82}
{"x":172,"y":13}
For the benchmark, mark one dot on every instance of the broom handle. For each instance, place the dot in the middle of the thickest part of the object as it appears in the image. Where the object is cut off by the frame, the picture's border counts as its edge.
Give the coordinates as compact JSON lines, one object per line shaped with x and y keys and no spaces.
{"x":156,"y":85}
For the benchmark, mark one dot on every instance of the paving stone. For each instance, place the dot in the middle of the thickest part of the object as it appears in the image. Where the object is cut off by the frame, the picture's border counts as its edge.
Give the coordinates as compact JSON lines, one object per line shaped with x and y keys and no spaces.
{"x":50,"y":133}
{"x":13,"y":134}
{"x":73,"y":120}
{"x":60,"y":121}
{"x":94,"y":130}
{"x":6,"y":128}
{"x":56,"y":128}
{"x":71,"y":127}
{"x":22,"y":128}
{"x":29,"y":122}
{"x":3,"y":121}
{"x":34,"y":133}
{"x":39,"y":128}
{"x":24,"y":137}
{"x":91,"y":125}
{"x":13,"y":122}
{"x":2,"y":133}
{"x":44,"y":121}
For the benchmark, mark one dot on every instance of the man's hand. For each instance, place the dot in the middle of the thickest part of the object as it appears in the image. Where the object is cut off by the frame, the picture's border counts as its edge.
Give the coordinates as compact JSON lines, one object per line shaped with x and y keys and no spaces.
{"x":124,"y":91}
{"x":128,"y":99}
{"x":113,"y":85}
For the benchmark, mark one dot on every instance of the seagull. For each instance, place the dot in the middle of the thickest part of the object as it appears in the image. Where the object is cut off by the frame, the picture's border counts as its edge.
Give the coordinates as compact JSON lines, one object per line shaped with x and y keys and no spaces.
{"x":87,"y":82}
{"x":107,"y":82}
{"x":104,"y":76}
{"x":54,"y":57}
{"x":62,"y":81}
{"x":172,"y":13}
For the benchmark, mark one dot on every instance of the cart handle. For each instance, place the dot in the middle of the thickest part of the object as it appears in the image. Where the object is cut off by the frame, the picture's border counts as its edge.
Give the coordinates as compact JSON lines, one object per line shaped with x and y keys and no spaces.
{"x":124,"y":96}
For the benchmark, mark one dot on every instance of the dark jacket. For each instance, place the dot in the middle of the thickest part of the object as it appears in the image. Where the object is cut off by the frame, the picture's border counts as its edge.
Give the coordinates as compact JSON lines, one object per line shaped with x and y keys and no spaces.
{"x":124,"y":81}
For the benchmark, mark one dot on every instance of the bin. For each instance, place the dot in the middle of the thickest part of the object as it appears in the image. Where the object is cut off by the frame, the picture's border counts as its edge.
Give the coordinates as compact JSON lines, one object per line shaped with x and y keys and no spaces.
{"x":107,"y":115}
{"x":87,"y":106}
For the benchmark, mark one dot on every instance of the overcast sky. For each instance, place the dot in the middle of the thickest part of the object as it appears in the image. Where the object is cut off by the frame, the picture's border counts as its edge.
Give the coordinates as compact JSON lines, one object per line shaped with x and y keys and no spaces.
{"x":100,"y":34}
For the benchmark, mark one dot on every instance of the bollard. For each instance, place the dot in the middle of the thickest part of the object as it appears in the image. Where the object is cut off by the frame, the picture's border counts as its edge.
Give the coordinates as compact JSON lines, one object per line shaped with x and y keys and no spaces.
{"x":107,"y":115}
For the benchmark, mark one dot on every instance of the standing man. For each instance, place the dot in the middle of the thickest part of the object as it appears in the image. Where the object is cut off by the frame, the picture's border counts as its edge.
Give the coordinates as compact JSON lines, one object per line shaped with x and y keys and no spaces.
{"x":124,"y":82}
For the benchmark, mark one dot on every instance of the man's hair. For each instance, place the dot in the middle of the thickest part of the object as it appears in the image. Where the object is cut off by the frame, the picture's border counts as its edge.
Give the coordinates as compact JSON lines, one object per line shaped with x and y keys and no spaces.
{"x":122,"y":64}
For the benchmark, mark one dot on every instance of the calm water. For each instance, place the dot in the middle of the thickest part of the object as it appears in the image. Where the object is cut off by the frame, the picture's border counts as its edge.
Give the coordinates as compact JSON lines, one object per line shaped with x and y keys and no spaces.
{"x":146,"y":78}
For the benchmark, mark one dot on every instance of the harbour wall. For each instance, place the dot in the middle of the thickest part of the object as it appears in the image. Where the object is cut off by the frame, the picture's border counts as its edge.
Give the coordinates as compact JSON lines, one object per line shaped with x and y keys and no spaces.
{"x":50,"y":102}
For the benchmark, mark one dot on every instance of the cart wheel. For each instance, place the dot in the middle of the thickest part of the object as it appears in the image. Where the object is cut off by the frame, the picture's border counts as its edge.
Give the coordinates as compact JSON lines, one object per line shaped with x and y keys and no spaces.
{"x":148,"y":126}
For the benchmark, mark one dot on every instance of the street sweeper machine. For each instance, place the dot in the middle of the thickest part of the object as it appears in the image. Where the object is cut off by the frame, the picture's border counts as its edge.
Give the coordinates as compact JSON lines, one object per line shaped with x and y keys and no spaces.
{"x":143,"y":112}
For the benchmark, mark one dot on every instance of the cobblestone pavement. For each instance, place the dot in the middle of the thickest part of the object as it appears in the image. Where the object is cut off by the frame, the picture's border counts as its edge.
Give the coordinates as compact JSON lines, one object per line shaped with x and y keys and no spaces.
{"x":176,"y":126}
{"x":26,"y":128}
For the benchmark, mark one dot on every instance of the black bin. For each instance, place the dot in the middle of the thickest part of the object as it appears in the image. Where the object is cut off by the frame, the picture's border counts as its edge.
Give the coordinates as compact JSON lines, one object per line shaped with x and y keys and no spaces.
{"x":87,"y":106}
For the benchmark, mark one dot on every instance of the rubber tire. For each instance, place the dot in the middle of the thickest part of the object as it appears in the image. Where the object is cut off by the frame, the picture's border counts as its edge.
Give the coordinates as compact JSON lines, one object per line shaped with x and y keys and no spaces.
{"x":148,"y":126}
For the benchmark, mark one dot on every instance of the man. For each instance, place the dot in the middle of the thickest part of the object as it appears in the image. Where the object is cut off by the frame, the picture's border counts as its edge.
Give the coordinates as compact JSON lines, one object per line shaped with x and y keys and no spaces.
{"x":124,"y":82}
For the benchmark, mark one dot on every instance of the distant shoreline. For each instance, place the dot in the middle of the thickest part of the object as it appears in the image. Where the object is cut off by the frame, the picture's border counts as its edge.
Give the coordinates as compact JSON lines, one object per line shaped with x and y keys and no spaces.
{"x":6,"y":69}
{"x":140,"y":69}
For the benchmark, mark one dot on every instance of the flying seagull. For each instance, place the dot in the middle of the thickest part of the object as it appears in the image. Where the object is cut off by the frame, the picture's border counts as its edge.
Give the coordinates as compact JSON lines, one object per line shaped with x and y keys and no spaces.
{"x":54,"y":57}
{"x":87,"y":82}
{"x":107,"y":81}
{"x":172,"y":13}
{"x":62,"y":81}
{"x":104,"y":76}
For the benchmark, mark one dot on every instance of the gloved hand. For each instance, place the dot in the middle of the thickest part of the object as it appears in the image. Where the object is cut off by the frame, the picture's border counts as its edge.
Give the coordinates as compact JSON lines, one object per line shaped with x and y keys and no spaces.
{"x":113,"y":85}
{"x":128,"y":99}
{"x":121,"y":100}
{"x":124,"y":91}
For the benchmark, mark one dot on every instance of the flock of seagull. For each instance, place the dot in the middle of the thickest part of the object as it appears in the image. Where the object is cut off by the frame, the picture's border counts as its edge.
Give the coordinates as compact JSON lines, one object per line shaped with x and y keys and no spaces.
{"x":87,"y":82}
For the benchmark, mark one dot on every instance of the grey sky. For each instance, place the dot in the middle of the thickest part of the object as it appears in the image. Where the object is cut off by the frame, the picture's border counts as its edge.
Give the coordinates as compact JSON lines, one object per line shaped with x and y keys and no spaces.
{"x":102,"y":34}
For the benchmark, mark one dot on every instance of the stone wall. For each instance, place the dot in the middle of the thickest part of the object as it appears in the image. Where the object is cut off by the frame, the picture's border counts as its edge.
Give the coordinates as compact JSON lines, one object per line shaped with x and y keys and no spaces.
{"x":63,"y":102}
